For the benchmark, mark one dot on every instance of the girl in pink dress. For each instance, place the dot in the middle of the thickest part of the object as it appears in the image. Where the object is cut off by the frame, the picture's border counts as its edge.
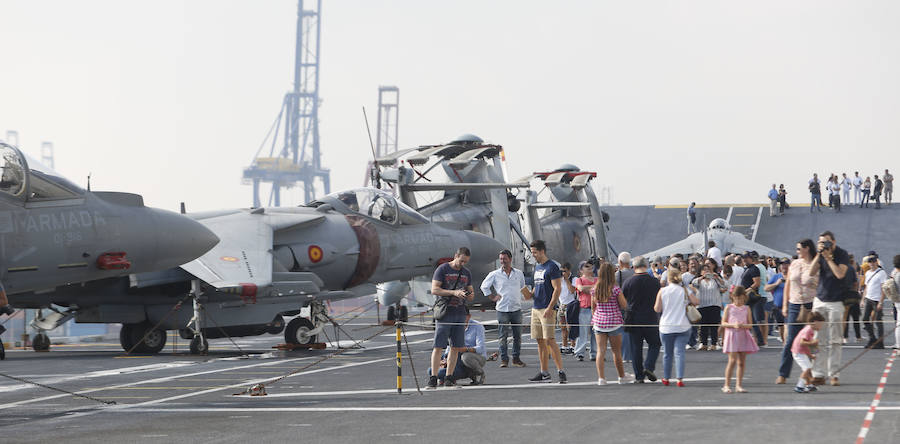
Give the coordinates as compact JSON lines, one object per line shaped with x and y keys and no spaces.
{"x":738,"y":340}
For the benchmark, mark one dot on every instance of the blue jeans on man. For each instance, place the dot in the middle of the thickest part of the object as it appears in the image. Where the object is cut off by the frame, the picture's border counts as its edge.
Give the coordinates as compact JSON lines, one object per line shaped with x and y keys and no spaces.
{"x":509,"y":320}
{"x":758,"y":310}
{"x":793,"y":329}
{"x":639,"y":335}
{"x":815,"y":202}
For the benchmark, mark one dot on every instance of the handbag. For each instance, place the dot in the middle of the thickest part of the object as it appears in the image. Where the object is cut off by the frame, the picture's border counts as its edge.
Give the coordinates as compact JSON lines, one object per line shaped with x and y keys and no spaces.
{"x":440,"y":307}
{"x":753,"y":297}
{"x":692,"y":313}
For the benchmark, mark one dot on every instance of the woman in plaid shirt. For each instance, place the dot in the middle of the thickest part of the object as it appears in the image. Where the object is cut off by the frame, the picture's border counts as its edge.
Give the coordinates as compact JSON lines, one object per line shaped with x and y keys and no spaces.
{"x":607,"y":304}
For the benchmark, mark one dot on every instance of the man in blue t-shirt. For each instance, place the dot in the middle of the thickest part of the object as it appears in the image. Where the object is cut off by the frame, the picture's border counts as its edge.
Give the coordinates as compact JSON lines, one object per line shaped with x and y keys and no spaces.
{"x":547,"y":286}
{"x":451,"y":280}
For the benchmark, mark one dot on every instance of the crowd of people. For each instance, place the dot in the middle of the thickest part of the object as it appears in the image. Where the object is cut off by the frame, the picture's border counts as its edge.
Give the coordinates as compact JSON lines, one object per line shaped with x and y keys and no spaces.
{"x":701,"y":302}
{"x":837,"y":189}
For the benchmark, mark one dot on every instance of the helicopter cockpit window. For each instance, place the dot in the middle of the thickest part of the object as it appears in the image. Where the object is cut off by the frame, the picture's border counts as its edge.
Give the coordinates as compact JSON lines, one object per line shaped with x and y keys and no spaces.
{"x":48,"y":184}
{"x":12,"y":179}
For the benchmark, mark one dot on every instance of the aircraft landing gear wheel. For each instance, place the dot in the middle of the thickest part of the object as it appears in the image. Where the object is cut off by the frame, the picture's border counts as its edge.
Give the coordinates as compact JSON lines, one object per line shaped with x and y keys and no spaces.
{"x":295,"y":331}
{"x":392,"y":313}
{"x":199,"y":346}
{"x":131,"y":335}
{"x":404,"y":313}
{"x":41,"y":342}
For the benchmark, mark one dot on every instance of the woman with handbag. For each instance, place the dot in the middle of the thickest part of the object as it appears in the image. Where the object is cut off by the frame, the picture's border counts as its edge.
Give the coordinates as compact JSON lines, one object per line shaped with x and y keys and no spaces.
{"x":674,"y":327}
{"x":799,"y":290}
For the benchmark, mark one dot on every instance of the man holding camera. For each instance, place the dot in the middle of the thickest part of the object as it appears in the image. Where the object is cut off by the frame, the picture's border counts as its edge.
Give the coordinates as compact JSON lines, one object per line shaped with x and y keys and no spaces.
{"x":832,"y":265}
{"x":451,"y":280}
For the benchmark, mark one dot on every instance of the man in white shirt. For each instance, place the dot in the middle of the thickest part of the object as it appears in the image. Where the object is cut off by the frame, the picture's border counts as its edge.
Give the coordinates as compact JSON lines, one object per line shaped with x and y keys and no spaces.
{"x":507,"y":283}
{"x":835,"y":194}
{"x":857,"y":183}
{"x":874,"y":300}
{"x":714,"y":253}
{"x":845,"y":188}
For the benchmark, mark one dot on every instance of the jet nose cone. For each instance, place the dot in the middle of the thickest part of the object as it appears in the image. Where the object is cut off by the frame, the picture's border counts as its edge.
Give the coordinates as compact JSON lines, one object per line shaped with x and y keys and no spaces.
{"x":485,"y":249}
{"x":181,"y":239}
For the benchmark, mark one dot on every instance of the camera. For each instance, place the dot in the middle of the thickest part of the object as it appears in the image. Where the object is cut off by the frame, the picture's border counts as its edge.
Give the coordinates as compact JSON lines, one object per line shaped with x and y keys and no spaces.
{"x":827,"y":245}
{"x":594,"y":261}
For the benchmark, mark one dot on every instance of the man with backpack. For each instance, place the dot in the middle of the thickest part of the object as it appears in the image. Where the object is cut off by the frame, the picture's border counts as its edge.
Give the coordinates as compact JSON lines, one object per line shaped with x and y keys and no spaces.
{"x":874,"y":300}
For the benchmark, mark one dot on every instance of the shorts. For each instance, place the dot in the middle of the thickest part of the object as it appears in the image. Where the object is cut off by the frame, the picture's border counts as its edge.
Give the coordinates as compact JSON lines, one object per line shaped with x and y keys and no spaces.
{"x":561,"y":318}
{"x":452,"y":331}
{"x":542,"y":328}
{"x":803,"y":361}
{"x":769,"y":306}
{"x":617,"y":332}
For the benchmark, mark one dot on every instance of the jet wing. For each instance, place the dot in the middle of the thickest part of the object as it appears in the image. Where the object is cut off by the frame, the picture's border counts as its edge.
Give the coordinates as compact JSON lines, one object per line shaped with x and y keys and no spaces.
{"x":243,"y":257}
{"x":738,"y":244}
{"x":688,"y":245}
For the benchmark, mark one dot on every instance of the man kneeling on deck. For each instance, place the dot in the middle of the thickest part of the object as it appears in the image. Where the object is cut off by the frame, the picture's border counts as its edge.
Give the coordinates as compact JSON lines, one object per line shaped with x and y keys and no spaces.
{"x":471,"y":359}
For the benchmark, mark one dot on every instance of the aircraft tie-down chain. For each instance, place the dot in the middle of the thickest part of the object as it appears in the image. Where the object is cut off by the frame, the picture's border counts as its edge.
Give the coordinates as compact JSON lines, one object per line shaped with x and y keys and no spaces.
{"x":261,"y":386}
{"x":78,"y":395}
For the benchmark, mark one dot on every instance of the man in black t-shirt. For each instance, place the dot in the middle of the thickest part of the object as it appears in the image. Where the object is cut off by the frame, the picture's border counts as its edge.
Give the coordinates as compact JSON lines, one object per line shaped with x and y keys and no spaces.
{"x":815,"y":189}
{"x":640,"y":292}
{"x":832,"y":265}
{"x":751,"y":280}
{"x":451,"y":280}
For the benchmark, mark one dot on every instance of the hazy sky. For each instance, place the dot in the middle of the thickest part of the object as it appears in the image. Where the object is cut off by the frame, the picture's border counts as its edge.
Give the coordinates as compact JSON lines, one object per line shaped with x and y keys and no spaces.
{"x":667,"y":101}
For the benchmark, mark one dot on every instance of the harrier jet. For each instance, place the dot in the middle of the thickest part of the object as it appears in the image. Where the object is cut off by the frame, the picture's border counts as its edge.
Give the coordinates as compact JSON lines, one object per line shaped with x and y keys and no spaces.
{"x":54,"y":233}
{"x":273,"y":262}
{"x":720,"y":232}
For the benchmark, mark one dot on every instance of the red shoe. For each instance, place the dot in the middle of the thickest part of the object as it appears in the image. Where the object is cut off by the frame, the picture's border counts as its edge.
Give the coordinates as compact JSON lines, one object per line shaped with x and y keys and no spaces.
{"x":665,"y":381}
{"x":681,"y":383}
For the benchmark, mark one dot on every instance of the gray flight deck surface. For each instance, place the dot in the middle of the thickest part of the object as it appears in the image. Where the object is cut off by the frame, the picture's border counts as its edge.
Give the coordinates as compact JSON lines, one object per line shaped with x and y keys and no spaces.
{"x":176,"y":397}
{"x":639,"y":229}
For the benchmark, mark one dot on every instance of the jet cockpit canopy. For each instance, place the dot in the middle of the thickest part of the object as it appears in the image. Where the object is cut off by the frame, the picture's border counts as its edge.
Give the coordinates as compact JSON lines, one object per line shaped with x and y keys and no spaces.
{"x":28,"y":179}
{"x":719,"y":224}
{"x":375,"y":204}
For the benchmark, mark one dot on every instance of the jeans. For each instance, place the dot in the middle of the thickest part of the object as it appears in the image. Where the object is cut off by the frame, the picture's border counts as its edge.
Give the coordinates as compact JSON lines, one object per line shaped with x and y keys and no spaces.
{"x":865,"y":199}
{"x":828,"y":360}
{"x":877,"y":198}
{"x":871,"y":314}
{"x":638,"y":336}
{"x":709,"y":334}
{"x":816,"y":202}
{"x":758,"y":310}
{"x":787,"y":359}
{"x":852,"y":311}
{"x":585,"y":334}
{"x":673,"y":346}
{"x":504,"y":319}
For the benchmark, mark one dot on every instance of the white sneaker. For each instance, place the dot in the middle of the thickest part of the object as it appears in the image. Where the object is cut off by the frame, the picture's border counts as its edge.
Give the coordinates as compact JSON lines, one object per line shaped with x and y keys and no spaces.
{"x":627,"y":379}
{"x":698,"y":346}
{"x":601,"y":381}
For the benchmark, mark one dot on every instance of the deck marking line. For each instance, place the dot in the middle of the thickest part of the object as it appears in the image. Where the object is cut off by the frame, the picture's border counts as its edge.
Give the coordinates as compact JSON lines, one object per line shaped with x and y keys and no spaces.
{"x":867,"y":421}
